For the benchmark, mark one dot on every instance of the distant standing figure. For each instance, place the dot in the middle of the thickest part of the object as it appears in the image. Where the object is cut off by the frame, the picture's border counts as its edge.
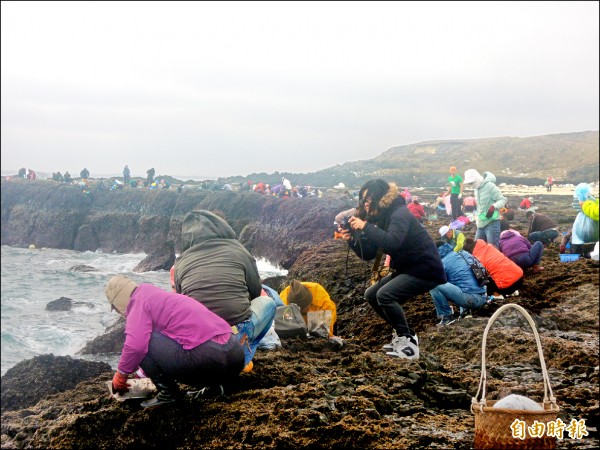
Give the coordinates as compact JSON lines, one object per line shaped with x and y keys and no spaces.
{"x":67,"y":177}
{"x":286,"y":183}
{"x":455,"y":190}
{"x":150,"y":176}
{"x":31,"y":175}
{"x":22,"y":172}
{"x":549,"y":183}
{"x":126,"y":175}
{"x":85,"y":174}
{"x":489,"y":200}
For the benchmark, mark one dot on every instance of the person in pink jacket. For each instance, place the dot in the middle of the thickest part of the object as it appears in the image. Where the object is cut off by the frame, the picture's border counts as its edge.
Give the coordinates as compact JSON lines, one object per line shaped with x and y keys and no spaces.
{"x":506,"y":276}
{"x":173,"y":338}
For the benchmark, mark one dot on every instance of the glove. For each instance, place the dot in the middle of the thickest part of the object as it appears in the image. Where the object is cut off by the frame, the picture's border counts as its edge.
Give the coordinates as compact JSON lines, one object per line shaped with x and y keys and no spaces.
{"x":562,"y":249}
{"x":119,"y":383}
{"x":490,"y":212}
{"x":459,"y":196}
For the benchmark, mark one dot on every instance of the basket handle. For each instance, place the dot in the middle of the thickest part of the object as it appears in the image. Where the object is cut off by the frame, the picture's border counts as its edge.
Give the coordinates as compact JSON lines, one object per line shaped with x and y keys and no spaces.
{"x":548,"y":396}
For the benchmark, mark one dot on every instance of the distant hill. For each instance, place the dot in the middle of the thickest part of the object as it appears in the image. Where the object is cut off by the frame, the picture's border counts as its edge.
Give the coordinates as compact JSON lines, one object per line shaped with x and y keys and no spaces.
{"x":567,"y":157}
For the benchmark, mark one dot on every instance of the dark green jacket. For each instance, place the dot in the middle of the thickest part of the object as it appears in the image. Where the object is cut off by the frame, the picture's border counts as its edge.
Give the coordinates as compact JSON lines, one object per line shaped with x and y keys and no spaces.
{"x":215,"y":268}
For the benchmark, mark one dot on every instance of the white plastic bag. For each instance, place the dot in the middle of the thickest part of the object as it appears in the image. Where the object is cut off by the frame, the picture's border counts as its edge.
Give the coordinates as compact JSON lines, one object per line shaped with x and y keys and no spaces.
{"x":319,"y":323}
{"x":594,"y":254}
{"x":270,"y":341}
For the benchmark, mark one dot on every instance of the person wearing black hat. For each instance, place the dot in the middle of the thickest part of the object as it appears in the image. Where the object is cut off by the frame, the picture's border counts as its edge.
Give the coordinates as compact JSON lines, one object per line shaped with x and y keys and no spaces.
{"x":384,"y":224}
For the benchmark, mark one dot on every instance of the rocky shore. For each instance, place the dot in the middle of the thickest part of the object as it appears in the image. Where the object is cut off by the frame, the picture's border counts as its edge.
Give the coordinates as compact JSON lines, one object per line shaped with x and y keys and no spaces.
{"x":309,"y":393}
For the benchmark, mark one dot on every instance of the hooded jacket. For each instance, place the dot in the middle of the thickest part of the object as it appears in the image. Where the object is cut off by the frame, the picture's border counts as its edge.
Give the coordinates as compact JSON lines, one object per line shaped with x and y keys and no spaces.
{"x":458,"y":271}
{"x":215,"y":268}
{"x":400,"y":235}
{"x":486,"y":195}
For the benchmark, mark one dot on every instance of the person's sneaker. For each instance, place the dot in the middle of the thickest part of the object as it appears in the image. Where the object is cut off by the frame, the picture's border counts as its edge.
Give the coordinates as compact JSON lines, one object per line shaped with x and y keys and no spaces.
{"x":207,"y":392}
{"x":447,"y":320}
{"x":406,"y":348}
{"x":395,"y":338}
{"x":248,"y":367}
{"x":466,"y":314}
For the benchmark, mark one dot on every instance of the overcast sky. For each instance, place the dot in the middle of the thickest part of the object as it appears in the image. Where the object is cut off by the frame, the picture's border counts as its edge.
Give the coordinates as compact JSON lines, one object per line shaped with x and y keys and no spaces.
{"x":230,"y":88}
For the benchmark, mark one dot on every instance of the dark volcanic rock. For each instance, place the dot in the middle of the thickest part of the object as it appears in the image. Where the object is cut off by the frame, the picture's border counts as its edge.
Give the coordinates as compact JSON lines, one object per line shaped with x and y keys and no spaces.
{"x":29,"y":381}
{"x":83,"y":268}
{"x":161,"y":259}
{"x":61,"y":304}
{"x":65,"y":304}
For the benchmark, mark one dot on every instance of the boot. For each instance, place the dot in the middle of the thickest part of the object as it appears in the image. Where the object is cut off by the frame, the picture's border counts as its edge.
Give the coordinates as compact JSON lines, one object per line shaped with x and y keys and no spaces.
{"x":167,"y":393}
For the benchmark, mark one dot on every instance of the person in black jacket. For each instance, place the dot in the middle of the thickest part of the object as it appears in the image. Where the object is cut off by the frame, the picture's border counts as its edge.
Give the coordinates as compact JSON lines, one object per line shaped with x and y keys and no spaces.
{"x":384,"y":224}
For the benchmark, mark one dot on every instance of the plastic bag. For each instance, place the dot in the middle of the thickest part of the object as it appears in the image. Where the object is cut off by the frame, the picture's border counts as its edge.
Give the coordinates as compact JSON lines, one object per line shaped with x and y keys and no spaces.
{"x":271,"y":340}
{"x":289,"y":322}
{"x":319,"y":323}
{"x":585,"y":230}
{"x":595,"y":254}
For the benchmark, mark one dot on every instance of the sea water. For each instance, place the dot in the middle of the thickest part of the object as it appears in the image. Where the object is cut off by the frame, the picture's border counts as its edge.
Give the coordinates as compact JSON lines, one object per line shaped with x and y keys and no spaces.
{"x":31,"y":278}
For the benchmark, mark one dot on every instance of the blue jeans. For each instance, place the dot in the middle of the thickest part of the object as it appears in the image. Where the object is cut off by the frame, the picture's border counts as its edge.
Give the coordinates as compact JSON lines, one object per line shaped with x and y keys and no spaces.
{"x":388,"y":294}
{"x":531,"y":258}
{"x":449,"y":292}
{"x":545,"y":237}
{"x":252,"y":330}
{"x":490,"y":233}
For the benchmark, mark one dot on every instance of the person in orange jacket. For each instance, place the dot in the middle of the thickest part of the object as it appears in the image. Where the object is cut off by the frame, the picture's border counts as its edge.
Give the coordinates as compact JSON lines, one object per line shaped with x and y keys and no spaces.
{"x":507,"y":277}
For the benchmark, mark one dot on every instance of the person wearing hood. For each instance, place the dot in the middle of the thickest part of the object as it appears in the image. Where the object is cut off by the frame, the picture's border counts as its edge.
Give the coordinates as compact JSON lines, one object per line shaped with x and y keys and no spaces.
{"x":384,"y":225}
{"x":462,"y":287}
{"x":215,"y":269}
{"x":173,"y":338}
{"x":489,"y":200}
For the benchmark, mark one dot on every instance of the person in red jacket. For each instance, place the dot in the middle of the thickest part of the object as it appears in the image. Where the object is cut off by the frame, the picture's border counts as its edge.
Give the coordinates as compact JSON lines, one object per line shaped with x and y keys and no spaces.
{"x":507,"y":277}
{"x":417,"y":210}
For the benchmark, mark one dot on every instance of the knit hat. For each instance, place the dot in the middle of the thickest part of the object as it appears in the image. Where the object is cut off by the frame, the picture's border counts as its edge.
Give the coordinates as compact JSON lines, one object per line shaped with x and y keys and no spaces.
{"x":300,"y":295}
{"x":444,"y":230}
{"x":471,"y":176}
{"x":118,"y":290}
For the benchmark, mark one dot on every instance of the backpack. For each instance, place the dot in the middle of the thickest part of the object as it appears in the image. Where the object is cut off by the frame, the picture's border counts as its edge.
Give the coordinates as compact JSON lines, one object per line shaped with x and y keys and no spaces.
{"x":481,"y":274}
{"x":289,"y":322}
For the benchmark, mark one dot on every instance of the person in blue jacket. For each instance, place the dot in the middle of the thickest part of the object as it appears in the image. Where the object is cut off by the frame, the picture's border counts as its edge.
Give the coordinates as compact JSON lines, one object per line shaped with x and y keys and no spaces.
{"x":462,"y":287}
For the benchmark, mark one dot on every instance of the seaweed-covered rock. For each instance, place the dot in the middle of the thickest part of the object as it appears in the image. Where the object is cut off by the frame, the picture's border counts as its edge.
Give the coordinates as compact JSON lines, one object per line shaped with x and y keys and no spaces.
{"x":31,"y":380}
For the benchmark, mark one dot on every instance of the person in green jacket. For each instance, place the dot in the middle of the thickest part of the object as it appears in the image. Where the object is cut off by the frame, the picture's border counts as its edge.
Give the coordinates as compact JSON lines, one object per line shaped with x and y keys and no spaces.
{"x":489,"y":201}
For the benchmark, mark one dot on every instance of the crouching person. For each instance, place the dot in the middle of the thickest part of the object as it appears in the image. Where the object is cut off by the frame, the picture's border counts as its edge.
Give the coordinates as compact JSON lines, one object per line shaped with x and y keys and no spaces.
{"x":462,"y":287}
{"x":173,"y":338}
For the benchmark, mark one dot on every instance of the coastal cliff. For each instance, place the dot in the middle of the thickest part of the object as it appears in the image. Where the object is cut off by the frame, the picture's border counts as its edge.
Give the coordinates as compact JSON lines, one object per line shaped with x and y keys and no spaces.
{"x":309,"y":393}
{"x":54,"y":215}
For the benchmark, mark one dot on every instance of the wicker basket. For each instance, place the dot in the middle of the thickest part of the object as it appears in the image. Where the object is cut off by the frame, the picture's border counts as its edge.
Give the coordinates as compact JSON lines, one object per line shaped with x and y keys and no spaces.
{"x":493,"y":425}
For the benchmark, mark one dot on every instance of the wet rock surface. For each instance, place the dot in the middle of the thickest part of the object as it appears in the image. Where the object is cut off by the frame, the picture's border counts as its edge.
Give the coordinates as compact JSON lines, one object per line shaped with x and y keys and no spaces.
{"x":310,"y":393}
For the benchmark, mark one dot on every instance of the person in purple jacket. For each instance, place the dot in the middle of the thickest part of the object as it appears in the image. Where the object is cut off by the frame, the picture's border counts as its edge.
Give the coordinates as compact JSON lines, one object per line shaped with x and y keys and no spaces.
{"x":173,"y":338}
{"x":519,"y":250}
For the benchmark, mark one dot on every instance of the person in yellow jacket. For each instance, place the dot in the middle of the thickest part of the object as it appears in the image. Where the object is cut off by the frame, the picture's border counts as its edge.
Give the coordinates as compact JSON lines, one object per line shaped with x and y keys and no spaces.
{"x":453,"y":237}
{"x":309,"y":297}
